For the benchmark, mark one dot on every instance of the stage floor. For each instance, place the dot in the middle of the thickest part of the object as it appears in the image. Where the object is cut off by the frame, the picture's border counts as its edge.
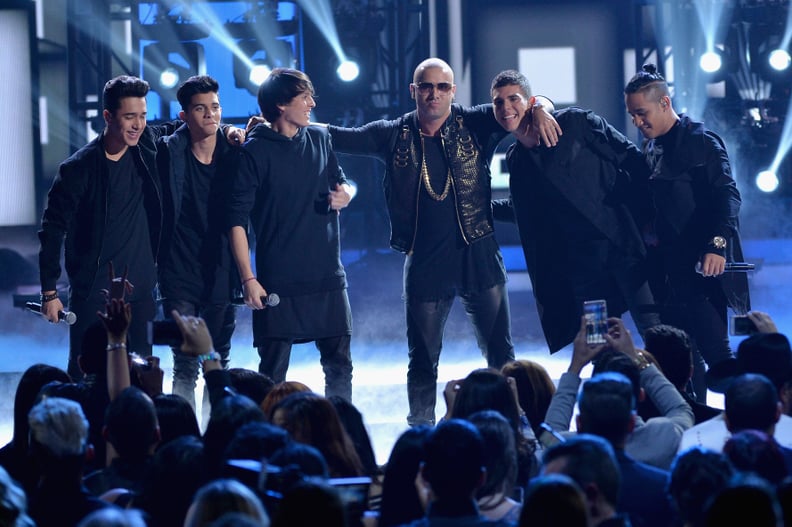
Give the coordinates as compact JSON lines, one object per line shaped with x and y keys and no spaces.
{"x":379,"y":345}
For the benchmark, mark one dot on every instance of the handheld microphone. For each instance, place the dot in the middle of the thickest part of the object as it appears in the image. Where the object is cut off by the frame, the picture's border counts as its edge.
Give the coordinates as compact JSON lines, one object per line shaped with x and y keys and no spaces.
{"x":732,"y":267}
{"x":270,"y":300}
{"x":63,"y":316}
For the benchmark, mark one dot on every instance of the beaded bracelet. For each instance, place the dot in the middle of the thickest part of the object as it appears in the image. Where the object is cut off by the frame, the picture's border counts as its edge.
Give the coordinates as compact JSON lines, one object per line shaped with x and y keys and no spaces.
{"x":212,"y":355}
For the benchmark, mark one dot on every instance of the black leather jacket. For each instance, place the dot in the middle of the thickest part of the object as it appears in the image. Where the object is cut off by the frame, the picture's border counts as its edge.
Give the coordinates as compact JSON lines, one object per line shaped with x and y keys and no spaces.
{"x":77,"y":211}
{"x":470,"y":136}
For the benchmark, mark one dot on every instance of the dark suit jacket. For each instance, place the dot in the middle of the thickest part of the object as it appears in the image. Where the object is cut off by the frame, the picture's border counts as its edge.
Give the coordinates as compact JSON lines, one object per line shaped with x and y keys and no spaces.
{"x":696,"y":199}
{"x":600,"y":178}
{"x":642,"y":493}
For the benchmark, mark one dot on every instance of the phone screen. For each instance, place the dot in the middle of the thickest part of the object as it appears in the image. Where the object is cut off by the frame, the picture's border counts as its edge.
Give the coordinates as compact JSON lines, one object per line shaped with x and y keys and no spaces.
{"x":742,"y":325}
{"x":596,"y":313}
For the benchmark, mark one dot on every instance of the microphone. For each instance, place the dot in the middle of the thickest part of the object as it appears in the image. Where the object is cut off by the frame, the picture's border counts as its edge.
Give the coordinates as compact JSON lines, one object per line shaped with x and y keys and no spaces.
{"x":270,"y":300}
{"x":63,"y":316}
{"x":732,"y":267}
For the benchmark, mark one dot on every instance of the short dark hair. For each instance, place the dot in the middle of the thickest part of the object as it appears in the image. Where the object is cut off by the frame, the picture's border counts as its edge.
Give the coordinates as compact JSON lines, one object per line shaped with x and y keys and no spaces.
{"x":256,"y":440}
{"x":453,"y":459}
{"x":751,"y":402}
{"x":612,"y":360}
{"x":769,"y":354}
{"x":554,"y":499}
{"x":193,"y":86}
{"x":671,"y":347}
{"x":589,"y":459}
{"x":757,"y":452}
{"x":121,"y":87}
{"x":280,"y":87}
{"x":251,"y":384}
{"x":745,"y":492}
{"x":132,"y":426}
{"x":697,"y":475}
{"x":606,"y":404}
{"x":486,"y":389}
{"x":511,"y":78}
{"x":647,"y":80}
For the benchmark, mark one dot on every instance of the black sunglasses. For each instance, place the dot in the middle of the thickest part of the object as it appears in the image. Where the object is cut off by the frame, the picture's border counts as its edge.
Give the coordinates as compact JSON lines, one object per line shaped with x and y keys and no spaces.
{"x":426,"y":87}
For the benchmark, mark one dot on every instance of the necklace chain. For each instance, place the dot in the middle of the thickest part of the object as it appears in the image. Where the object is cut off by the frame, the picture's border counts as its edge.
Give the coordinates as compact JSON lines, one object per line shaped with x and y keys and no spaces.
{"x":425,"y":176}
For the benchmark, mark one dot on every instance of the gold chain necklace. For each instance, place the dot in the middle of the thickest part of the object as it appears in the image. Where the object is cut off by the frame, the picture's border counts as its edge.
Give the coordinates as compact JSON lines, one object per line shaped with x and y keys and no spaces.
{"x":425,"y":176}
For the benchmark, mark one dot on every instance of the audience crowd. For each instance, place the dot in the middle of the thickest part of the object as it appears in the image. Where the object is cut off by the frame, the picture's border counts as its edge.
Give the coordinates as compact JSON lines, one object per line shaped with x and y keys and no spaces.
{"x":623,"y":447}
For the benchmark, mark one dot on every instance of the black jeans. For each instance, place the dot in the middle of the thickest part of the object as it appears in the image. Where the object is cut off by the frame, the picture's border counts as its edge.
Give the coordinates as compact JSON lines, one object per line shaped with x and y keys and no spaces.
{"x":334,"y":356}
{"x":698,"y":305}
{"x":144,"y":309}
{"x":220,"y":321}
{"x":488,"y":311}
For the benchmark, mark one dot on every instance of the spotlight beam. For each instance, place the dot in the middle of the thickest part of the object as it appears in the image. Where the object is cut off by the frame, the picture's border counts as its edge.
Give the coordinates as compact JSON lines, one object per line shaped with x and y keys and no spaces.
{"x":321,"y":13}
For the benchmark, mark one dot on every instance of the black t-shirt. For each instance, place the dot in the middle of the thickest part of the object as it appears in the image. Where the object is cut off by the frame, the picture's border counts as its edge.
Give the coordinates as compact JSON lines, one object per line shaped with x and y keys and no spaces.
{"x":127,"y":241}
{"x":441,"y":264}
{"x":195,"y":267}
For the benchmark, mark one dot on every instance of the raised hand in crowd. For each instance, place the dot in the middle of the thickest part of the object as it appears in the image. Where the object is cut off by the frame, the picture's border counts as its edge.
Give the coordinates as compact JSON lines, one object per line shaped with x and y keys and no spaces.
{"x":148,"y":373}
{"x":119,"y":285}
{"x":196,"y":340}
{"x":763,"y":322}
{"x":582,"y":351}
{"x":619,"y":337}
{"x":449,"y":395}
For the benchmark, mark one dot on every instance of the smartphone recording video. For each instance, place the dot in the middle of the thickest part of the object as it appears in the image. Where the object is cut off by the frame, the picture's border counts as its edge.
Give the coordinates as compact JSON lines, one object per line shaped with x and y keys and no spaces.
{"x":740,"y":325}
{"x":164,"y":333}
{"x":596,"y":313}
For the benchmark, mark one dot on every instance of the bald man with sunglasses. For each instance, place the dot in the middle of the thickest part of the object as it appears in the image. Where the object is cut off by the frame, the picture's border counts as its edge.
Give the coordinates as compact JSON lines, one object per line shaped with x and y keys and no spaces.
{"x":437,"y":187}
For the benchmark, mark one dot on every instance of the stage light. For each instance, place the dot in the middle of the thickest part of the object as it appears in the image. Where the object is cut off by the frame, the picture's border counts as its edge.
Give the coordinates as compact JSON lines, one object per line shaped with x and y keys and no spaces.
{"x":348,"y":70}
{"x":770,"y":58}
{"x":717,"y":63}
{"x":767,"y":181}
{"x":259,"y":72}
{"x":779,"y":59}
{"x":168,"y":64}
{"x":710,"y":62}
{"x":253,"y":61}
{"x":169,"y":78}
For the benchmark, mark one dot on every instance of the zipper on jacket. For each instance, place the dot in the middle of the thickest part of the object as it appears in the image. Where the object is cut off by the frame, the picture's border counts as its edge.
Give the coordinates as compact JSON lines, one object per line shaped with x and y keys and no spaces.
{"x":456,"y":200}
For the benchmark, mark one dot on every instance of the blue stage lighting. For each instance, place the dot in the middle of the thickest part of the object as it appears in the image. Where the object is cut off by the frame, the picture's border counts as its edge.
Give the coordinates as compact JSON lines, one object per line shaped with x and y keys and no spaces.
{"x":779,"y":59}
{"x":710,"y":62}
{"x":348,"y":70}
{"x":767,"y":181}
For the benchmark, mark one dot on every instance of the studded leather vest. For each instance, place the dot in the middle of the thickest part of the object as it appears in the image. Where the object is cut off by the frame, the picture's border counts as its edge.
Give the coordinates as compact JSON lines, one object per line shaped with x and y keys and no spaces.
{"x":470,"y":181}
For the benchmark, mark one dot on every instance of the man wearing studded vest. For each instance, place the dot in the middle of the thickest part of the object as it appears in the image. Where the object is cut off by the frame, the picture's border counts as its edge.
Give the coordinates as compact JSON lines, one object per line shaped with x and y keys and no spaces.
{"x":437,"y":188}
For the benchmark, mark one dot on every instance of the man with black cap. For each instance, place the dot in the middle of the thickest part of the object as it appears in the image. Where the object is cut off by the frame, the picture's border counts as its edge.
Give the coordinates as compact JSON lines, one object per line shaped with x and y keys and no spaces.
{"x":768,"y":354}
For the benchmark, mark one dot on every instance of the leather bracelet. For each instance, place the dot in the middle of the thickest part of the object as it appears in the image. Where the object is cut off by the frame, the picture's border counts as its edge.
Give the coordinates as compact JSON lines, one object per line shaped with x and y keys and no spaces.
{"x":48,"y":298}
{"x":246,"y":280}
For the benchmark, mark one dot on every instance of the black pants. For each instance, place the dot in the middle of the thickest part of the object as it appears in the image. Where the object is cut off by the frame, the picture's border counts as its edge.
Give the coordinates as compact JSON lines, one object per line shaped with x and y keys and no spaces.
{"x":488,"y":311}
{"x":698,"y":305}
{"x":144,"y":309}
{"x":334,"y":356}
{"x":220,"y":321}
